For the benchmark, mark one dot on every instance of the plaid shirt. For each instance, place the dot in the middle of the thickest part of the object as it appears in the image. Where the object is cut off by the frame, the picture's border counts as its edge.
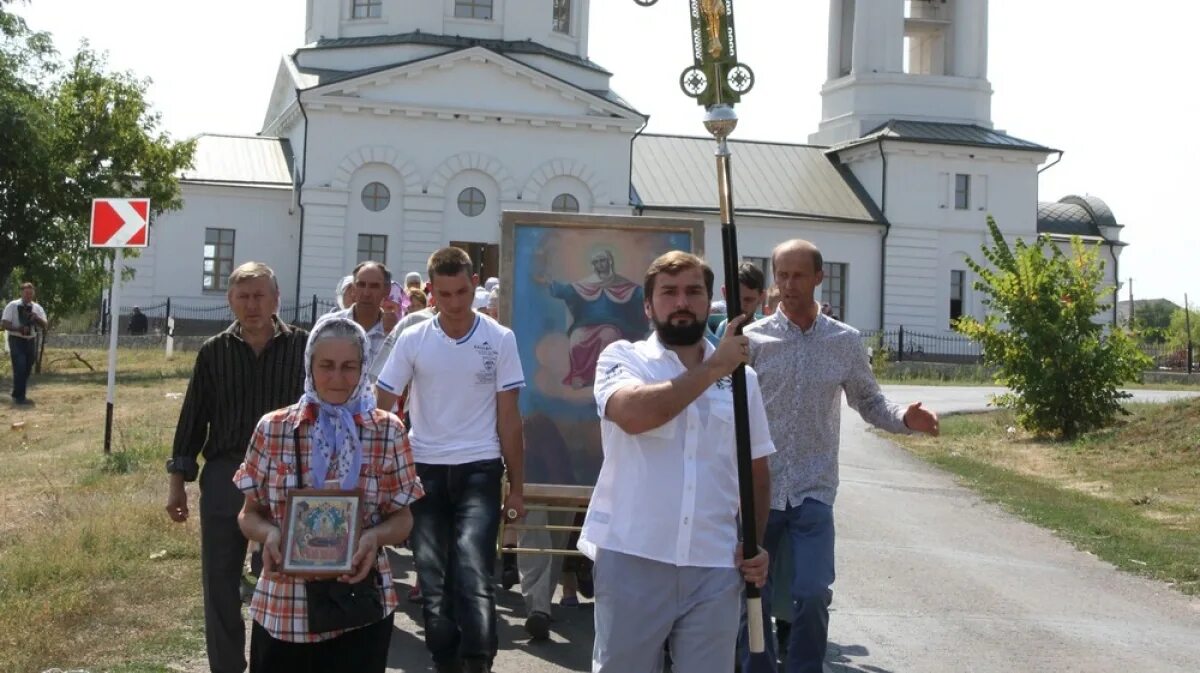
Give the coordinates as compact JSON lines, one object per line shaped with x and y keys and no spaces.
{"x":388,"y":483}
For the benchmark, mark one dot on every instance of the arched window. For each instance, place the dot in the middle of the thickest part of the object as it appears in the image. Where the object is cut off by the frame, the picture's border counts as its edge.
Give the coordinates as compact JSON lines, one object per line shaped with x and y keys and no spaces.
{"x":565,"y":203}
{"x":375,"y":197}
{"x":471,"y":202}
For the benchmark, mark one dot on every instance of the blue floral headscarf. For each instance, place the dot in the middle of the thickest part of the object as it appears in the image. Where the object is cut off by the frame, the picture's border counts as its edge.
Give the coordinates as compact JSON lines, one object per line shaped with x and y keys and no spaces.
{"x":335,"y":437}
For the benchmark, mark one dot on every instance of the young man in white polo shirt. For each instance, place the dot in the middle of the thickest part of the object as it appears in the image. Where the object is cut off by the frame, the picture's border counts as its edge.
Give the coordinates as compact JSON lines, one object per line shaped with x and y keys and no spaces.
{"x":662,"y":524}
{"x":465,"y":375}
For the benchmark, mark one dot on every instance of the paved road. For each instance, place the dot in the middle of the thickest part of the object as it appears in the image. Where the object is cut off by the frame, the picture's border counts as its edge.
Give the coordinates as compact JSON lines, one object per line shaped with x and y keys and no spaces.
{"x":931,"y":579}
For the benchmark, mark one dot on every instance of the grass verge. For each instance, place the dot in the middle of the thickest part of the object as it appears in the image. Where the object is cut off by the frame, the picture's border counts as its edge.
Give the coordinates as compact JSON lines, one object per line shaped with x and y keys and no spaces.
{"x":1129,"y":494}
{"x":92,"y":573}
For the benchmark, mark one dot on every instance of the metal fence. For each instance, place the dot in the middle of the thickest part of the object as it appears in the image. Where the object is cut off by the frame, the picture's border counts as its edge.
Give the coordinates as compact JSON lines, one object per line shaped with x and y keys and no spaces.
{"x":207,"y":319}
{"x":1172,"y":358}
{"x":905,"y":345}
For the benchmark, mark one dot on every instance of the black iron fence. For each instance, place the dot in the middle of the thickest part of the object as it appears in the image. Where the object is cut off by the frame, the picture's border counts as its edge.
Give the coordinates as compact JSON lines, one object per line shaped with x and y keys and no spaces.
{"x":206,"y":319}
{"x":906,"y":345}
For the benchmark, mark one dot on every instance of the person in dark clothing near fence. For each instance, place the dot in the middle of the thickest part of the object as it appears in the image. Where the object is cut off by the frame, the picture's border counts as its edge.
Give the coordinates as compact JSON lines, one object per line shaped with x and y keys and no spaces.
{"x":253,"y":367}
{"x":138,"y":323}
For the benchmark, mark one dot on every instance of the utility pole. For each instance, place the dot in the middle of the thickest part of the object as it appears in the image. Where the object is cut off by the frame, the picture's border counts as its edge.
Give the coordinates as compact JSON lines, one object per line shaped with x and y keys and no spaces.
{"x":1132,"y":310}
{"x":1187,"y":326}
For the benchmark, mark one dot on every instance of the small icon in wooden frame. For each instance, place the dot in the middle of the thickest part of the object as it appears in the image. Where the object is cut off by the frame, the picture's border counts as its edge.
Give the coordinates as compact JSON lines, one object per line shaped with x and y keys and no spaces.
{"x":320,"y":533}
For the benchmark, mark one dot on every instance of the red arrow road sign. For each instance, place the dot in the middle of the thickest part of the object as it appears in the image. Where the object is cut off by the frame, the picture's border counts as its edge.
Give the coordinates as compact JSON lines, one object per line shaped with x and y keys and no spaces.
{"x":119,"y":223}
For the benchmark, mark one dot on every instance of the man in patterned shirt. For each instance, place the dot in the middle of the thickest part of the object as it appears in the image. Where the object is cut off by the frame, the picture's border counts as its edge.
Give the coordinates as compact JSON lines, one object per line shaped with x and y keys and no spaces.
{"x":805,"y":360}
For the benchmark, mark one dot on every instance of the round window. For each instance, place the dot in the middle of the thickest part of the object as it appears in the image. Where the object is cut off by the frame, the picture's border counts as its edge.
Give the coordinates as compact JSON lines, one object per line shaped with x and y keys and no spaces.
{"x":471,"y":202}
{"x":565,"y":203}
{"x":375,"y":196}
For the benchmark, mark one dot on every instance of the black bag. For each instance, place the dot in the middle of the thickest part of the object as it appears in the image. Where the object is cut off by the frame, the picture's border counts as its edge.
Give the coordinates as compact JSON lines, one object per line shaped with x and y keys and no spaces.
{"x":336,"y":606}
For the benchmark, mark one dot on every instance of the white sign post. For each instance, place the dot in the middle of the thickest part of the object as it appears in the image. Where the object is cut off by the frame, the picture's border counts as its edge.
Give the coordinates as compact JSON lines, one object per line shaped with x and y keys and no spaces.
{"x":170,"y":337}
{"x":118,"y":224}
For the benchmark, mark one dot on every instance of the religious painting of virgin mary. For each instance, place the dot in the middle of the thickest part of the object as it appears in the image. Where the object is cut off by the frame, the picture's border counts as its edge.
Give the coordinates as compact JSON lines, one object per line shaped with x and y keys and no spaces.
{"x":570,"y":286}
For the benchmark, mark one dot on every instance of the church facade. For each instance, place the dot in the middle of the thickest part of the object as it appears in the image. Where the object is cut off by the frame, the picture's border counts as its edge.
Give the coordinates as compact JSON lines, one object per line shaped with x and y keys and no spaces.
{"x":405,"y":125}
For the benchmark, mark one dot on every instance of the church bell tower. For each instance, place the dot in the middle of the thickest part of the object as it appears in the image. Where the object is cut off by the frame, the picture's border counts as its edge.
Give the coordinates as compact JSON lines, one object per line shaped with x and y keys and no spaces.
{"x":921,"y":60}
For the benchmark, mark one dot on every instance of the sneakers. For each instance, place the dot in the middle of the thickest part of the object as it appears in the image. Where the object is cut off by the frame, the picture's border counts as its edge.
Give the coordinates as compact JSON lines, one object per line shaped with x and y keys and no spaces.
{"x":569,"y":601}
{"x":537,"y":625}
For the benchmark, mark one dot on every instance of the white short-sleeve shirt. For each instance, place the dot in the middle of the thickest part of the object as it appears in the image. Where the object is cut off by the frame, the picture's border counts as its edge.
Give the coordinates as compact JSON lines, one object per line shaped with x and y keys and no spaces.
{"x":12,"y":315}
{"x":452,"y":402}
{"x":670,"y":494}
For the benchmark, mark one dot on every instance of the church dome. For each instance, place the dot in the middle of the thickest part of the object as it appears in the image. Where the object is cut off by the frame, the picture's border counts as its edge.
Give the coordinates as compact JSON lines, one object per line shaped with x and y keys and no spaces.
{"x":1075,"y":216}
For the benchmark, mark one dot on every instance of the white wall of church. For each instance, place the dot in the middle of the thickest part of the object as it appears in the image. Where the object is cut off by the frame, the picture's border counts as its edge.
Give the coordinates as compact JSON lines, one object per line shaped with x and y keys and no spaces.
{"x":426,"y":163}
{"x":856,"y":246}
{"x":172,"y":266}
{"x":930,"y":236}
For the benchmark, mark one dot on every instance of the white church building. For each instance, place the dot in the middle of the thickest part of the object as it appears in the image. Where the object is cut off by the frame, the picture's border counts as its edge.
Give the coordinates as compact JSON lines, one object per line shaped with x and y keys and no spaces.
{"x":405,"y":125}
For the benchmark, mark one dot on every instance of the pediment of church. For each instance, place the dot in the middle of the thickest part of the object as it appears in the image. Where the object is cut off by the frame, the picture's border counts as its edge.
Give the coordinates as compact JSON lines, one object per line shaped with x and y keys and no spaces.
{"x":476,"y":84}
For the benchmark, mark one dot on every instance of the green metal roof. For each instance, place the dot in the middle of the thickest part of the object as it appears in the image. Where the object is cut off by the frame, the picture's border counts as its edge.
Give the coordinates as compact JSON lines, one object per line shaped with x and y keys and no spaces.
{"x":680,"y":173}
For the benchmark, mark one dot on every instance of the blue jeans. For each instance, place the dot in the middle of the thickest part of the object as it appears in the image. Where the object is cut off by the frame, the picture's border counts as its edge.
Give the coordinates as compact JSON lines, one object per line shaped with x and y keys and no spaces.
{"x":23,"y":355}
{"x":808,"y":528}
{"x":454,"y":544}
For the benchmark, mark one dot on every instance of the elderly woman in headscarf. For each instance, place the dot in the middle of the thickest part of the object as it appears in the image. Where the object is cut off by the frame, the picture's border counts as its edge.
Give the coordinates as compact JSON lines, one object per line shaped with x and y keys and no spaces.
{"x":332,"y":437}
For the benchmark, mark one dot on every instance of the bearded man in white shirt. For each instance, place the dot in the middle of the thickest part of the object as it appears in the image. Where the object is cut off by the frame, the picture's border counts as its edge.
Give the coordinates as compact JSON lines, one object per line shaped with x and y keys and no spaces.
{"x":662,"y":526}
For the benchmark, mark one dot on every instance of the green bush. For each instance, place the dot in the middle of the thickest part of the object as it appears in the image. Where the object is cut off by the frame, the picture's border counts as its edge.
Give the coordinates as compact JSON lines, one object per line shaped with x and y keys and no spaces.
{"x":1062,"y":370}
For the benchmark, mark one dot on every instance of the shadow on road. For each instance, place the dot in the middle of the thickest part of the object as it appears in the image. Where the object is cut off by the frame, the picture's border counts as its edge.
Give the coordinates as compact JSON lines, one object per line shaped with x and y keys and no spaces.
{"x":840,"y":659}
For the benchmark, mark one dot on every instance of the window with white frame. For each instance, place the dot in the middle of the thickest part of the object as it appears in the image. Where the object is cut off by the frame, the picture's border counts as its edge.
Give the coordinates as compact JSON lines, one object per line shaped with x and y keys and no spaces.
{"x":473,"y":9}
{"x":372,"y":248}
{"x":562,"y":16}
{"x":958,"y":291}
{"x":218,"y":258}
{"x":366,"y":9}
{"x":962,"y":191}
{"x":833,"y":289}
{"x":565,"y":203}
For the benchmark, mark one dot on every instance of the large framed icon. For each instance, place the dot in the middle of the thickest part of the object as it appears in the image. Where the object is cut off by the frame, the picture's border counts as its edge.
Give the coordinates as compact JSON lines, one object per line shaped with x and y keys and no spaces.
{"x":570,"y":285}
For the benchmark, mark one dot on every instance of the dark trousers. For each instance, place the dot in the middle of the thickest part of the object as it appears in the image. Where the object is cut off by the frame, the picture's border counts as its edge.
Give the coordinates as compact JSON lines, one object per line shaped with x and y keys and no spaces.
{"x":454,"y":544}
{"x":222,"y":558}
{"x":808,"y":529}
{"x":23,"y":354}
{"x":362,"y":650}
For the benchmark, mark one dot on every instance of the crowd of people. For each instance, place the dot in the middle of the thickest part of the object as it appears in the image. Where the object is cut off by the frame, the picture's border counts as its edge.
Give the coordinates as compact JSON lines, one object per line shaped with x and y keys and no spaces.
{"x":408,"y":395}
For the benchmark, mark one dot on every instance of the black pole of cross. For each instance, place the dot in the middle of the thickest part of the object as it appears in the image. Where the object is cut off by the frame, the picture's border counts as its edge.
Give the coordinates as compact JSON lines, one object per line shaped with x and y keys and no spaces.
{"x":717,"y":81}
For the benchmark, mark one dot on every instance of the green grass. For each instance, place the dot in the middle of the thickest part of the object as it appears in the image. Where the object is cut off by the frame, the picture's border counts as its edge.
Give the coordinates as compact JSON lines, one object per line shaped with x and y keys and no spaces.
{"x":92,"y":573}
{"x":1129,"y":494}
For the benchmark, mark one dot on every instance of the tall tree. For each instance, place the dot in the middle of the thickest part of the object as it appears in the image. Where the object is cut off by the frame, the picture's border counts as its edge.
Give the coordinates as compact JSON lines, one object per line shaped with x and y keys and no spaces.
{"x":72,"y":131}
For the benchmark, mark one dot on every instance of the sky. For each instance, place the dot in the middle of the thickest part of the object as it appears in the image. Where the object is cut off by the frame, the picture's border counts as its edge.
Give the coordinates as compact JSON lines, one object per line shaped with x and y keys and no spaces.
{"x":1106,"y":82}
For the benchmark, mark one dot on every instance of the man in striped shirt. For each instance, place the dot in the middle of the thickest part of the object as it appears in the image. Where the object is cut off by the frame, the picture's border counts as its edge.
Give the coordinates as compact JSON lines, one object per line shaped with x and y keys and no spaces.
{"x":253,"y":367}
